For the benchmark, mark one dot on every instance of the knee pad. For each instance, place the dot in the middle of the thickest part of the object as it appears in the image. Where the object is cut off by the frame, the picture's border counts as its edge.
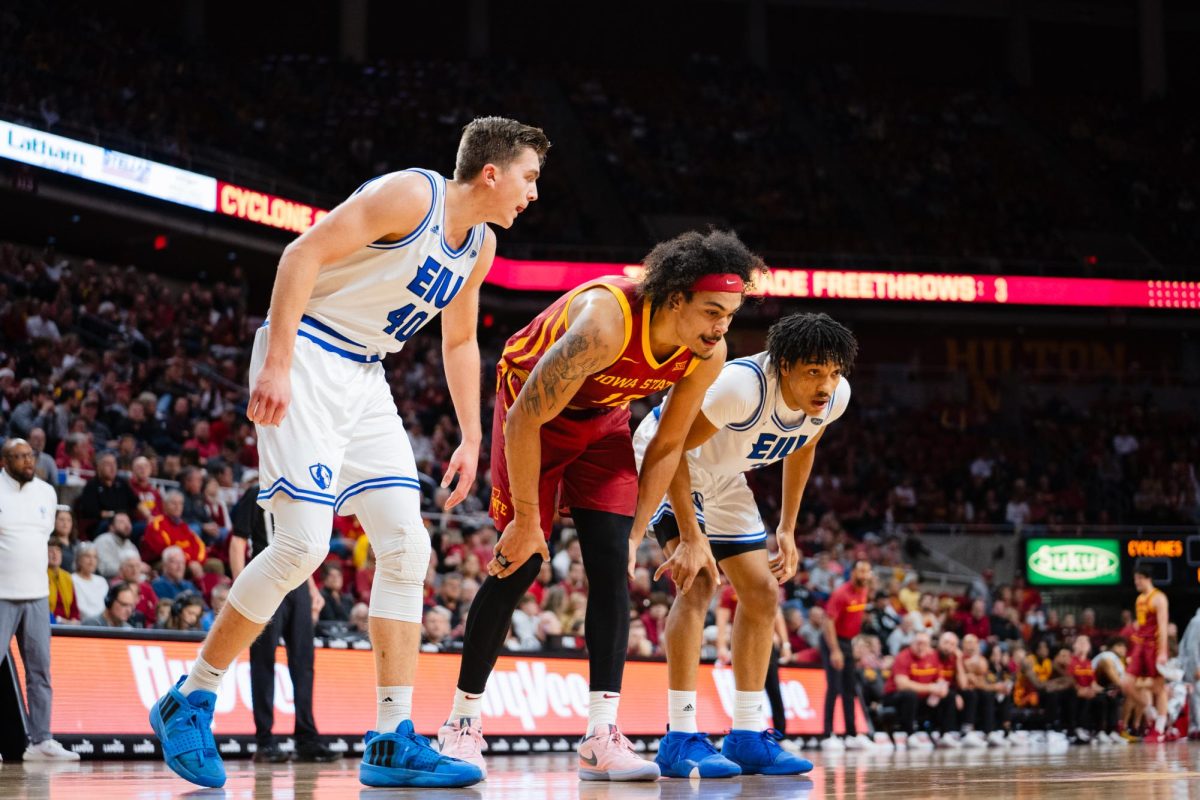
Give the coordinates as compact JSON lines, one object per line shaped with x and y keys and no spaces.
{"x":287,"y":562}
{"x":401,"y":563}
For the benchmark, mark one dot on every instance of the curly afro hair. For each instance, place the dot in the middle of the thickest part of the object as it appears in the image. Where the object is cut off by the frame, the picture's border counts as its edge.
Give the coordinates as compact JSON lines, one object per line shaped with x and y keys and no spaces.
{"x":811,"y":339}
{"x":674,"y":265}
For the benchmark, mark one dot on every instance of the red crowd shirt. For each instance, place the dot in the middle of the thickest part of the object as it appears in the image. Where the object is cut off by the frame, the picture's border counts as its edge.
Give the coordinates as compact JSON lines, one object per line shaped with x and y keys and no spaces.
{"x":947,"y":667}
{"x":1081,"y":670}
{"x":149,"y":500}
{"x":919,"y":670}
{"x":981,"y":628}
{"x":846,"y":607}
{"x":163,"y":532}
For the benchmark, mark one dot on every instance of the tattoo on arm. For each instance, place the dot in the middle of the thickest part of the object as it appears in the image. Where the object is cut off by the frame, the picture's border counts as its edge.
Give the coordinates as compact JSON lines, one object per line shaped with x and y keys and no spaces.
{"x":578,"y":354}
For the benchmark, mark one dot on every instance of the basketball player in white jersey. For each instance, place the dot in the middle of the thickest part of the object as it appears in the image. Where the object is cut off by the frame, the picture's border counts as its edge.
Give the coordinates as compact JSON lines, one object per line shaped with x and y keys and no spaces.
{"x":350,"y":290}
{"x":768,"y":407}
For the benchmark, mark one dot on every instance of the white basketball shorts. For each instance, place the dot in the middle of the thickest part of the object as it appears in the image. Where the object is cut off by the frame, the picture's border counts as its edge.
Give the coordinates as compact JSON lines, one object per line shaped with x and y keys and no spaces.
{"x":341,"y":436}
{"x":724,"y":504}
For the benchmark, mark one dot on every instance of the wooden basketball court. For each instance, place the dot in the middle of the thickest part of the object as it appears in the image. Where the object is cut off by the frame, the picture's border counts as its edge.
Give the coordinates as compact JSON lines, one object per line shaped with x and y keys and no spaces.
{"x":1145,"y":772}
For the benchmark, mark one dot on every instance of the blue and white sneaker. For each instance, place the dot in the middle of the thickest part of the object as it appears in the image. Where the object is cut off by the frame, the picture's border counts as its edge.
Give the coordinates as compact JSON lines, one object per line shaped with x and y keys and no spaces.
{"x":184,"y":727}
{"x":759,"y":753}
{"x":692,"y":755}
{"x":404,"y":758}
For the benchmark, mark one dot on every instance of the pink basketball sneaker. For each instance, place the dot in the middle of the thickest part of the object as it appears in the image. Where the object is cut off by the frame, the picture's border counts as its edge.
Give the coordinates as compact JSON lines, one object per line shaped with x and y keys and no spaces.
{"x":607,"y":755}
{"x":463,"y":739}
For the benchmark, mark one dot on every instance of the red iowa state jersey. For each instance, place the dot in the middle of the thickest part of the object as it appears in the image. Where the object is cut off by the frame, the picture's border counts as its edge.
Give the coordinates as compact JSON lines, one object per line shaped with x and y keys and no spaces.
{"x":634,"y":375}
{"x":1146,"y":619}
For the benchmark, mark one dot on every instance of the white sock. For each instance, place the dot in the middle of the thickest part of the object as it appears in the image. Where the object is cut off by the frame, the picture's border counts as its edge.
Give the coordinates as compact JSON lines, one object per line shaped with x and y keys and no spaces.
{"x":466,"y":705}
{"x":393,"y":705}
{"x":602,"y":709}
{"x":747,"y":711}
{"x":1160,"y":724}
{"x":681,"y":711}
{"x":203,"y":675}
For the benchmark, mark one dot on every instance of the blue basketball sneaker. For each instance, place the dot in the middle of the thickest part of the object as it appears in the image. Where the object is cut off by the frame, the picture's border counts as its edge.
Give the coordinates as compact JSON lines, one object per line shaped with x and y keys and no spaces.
{"x":692,"y":755}
{"x":759,"y":753}
{"x":184,"y":727}
{"x":404,"y":758}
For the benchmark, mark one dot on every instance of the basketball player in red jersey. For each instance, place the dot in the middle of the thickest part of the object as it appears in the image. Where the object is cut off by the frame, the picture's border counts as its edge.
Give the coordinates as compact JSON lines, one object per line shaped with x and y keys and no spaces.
{"x":1150,"y":649}
{"x":561,"y":437}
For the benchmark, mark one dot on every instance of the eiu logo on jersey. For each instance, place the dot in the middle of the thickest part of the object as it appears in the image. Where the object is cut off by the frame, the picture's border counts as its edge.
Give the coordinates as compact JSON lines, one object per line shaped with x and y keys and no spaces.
{"x":433,"y":283}
{"x":321,"y":475}
{"x":770,"y":447}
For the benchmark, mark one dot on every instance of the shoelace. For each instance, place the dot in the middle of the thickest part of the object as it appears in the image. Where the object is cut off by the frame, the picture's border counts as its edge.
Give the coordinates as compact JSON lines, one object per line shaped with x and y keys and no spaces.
{"x":415,"y":737}
{"x":616,"y":737}
{"x":473,"y":732}
{"x":698,"y":739}
{"x":771,"y":737}
{"x":205,"y":732}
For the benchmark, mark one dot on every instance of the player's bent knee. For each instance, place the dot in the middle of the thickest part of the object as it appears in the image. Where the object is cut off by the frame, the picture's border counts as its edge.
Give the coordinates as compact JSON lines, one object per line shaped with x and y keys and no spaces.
{"x":400,"y":567}
{"x":287,"y":562}
{"x":760,"y":598}
{"x":700,"y":593}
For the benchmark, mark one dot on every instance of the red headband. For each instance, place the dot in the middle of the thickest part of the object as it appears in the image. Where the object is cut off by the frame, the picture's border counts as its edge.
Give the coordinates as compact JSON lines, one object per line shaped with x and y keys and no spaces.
{"x":718,"y":282}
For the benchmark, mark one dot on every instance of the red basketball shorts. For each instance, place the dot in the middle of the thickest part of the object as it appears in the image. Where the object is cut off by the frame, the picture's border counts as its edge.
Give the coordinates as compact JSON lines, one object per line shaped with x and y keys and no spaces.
{"x":587,"y":462}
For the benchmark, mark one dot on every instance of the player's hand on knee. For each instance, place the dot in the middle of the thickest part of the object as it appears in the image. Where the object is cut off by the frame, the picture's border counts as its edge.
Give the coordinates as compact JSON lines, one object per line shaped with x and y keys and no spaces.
{"x":521,"y":540}
{"x":785,"y":563}
{"x":463,"y":463}
{"x":688,"y":561}
{"x":270,"y":397}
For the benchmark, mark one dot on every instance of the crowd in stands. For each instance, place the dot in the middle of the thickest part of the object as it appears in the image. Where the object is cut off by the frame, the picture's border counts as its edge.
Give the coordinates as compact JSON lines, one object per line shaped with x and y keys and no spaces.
{"x":130,"y":392}
{"x":744,"y":165}
{"x":997,"y":667}
{"x":270,"y":114}
{"x":835,"y":158}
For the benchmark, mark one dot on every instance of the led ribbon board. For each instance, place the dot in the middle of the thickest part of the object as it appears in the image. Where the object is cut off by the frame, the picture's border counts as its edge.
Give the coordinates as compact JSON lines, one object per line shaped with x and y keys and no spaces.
{"x":920,"y":287}
{"x":203,"y":192}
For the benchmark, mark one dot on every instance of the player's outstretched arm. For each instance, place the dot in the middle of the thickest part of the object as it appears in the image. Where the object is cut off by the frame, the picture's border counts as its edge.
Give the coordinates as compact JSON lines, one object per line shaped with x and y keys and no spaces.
{"x":796,"y":470}
{"x":680,"y":491}
{"x":692,"y":554}
{"x":593,"y":339}
{"x":460,"y":355}
{"x":388,"y":208}
{"x":662,"y":454}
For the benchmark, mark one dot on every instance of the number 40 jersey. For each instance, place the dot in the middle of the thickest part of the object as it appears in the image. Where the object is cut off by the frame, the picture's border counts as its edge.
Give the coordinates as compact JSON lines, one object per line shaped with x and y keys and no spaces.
{"x":371,"y":302}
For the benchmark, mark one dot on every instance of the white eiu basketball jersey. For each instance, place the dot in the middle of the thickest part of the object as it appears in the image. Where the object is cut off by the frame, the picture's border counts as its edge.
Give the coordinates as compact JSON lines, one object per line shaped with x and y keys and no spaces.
{"x":755,"y":428}
{"x":342,"y":435}
{"x":370,"y":302}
